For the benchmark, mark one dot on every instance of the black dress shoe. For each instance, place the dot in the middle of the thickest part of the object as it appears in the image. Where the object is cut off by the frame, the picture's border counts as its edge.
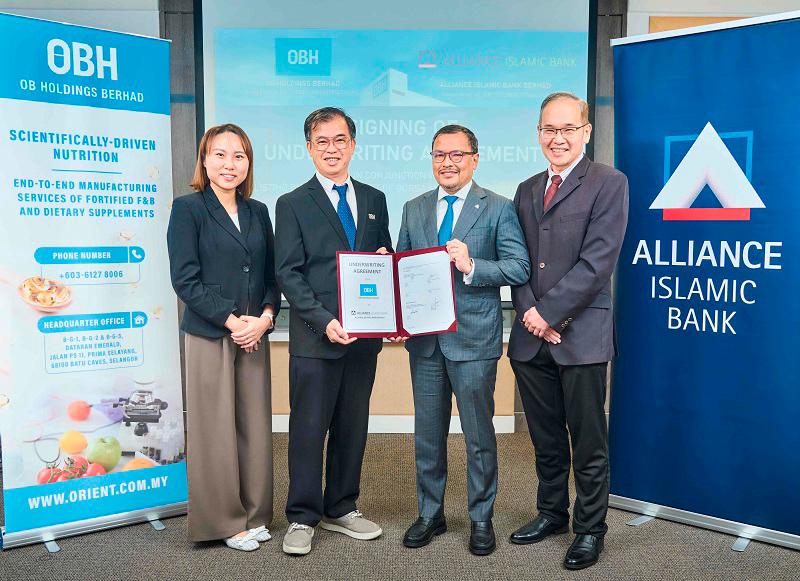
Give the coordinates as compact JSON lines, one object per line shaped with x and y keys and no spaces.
{"x":537,"y":530}
{"x":481,"y":538}
{"x":583,"y":552}
{"x":423,"y":530}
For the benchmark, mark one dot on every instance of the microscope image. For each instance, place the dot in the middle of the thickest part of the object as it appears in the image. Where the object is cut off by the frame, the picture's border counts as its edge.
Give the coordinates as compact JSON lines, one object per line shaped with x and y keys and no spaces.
{"x":141,"y":408}
{"x":145,"y":429}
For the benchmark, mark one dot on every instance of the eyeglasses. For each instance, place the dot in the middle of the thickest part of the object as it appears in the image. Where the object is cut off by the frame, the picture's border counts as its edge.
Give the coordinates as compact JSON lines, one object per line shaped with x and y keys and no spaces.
{"x":566,"y":132}
{"x":322,"y":143}
{"x":455,"y":156}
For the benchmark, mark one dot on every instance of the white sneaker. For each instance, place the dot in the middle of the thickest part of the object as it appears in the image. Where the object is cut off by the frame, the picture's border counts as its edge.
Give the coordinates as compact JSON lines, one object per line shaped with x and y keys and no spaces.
{"x":261,"y":534}
{"x":354,"y":525}
{"x":243,"y":543}
{"x":298,"y":539}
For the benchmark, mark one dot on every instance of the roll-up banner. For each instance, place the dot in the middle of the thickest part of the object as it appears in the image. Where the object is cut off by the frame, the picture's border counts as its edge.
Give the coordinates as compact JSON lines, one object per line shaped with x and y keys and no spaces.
{"x":91,"y":423}
{"x":706,"y":393}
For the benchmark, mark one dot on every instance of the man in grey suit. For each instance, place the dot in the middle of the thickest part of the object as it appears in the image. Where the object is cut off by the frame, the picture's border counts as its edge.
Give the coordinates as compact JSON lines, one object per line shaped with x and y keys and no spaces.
{"x":486,"y":245}
{"x":574,"y":217}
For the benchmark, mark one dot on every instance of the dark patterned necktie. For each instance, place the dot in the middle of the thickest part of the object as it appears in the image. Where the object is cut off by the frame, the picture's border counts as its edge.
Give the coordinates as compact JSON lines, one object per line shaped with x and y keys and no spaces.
{"x":551,"y":191}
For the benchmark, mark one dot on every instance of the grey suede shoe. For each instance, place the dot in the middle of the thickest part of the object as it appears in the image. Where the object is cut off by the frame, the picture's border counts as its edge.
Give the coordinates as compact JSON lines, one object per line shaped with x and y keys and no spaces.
{"x":354,"y":525}
{"x":298,"y":539}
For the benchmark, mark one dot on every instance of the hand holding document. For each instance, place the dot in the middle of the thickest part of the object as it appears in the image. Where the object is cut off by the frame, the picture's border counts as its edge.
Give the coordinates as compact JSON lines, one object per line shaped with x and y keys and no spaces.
{"x":404,"y":294}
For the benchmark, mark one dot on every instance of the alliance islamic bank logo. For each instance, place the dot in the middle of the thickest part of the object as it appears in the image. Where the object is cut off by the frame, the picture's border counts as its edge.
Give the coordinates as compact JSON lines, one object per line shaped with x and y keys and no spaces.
{"x":710,"y":163}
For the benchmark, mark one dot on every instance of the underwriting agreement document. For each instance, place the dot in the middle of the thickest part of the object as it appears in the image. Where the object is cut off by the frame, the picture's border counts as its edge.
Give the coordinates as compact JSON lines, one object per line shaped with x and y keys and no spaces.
{"x":367,"y":305}
{"x":426,"y":290}
{"x":403,"y":294}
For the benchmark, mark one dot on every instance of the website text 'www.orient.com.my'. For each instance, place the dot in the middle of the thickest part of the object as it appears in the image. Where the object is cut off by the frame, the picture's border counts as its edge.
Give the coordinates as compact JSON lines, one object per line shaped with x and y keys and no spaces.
{"x":86,"y":494}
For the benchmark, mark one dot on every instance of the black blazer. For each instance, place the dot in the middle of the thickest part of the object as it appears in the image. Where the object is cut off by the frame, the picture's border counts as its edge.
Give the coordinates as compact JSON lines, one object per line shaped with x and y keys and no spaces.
{"x":217,"y":270}
{"x":308,"y":233}
{"x":574,"y":247}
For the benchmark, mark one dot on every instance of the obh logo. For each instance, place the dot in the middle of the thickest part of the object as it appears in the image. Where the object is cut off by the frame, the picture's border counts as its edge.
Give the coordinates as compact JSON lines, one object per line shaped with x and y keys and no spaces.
{"x":310,"y":57}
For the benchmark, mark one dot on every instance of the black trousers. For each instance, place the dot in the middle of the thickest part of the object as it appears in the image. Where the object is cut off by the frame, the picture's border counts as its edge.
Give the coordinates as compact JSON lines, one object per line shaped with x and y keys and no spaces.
{"x":558,"y":398}
{"x":327,"y":397}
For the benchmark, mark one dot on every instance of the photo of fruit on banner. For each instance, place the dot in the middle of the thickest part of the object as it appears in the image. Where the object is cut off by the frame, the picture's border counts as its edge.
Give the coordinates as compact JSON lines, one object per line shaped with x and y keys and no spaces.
{"x":65,"y":437}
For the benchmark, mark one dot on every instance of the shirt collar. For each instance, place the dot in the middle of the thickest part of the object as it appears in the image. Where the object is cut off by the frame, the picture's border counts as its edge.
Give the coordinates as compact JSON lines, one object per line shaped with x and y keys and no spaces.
{"x":327,"y":184}
{"x":564,"y":174}
{"x":462,"y":193}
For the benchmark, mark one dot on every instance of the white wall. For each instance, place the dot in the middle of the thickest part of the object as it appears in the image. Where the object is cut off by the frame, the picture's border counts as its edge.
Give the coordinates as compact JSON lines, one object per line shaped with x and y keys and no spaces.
{"x":640,"y":11}
{"x":134,"y":16}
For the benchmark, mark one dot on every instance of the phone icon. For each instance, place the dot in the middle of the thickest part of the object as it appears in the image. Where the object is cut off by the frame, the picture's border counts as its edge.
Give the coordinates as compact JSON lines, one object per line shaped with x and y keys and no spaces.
{"x":136,"y":254}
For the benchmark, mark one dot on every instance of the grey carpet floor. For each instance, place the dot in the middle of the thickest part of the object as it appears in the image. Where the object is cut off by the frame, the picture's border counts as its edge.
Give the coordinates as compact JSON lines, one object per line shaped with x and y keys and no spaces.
{"x":659,"y":550}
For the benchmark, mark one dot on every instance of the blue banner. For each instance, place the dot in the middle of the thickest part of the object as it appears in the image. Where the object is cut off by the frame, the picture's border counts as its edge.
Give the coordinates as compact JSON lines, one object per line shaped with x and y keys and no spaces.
{"x":705,"y":400}
{"x":79,"y":498}
{"x":74,"y":65}
{"x":91,"y":417}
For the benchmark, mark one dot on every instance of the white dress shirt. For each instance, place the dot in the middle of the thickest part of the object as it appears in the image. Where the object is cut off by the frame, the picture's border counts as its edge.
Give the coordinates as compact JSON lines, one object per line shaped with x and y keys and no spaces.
{"x":235,"y":219}
{"x":564,"y":174}
{"x":441,"y":209}
{"x":333,"y":195}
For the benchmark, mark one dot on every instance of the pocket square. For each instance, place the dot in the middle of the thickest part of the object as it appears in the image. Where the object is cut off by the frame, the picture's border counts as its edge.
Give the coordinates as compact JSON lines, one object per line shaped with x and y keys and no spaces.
{"x":371,"y":216}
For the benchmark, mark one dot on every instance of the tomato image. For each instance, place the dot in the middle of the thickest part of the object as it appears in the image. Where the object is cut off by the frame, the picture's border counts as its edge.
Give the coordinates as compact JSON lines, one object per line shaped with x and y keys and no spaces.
{"x":78,"y":410}
{"x":48,"y":474}
{"x":94,"y":469}
{"x":76,"y":464}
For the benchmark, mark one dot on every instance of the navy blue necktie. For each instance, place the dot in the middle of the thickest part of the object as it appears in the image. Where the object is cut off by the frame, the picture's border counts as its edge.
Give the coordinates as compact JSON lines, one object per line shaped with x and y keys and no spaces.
{"x":346,"y":215}
{"x":446,"y":229}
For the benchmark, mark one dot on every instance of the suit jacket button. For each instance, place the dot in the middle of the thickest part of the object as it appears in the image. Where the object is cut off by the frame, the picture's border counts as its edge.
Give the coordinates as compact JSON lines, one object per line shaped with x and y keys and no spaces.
{"x":541,"y":265}
{"x":245,"y":268}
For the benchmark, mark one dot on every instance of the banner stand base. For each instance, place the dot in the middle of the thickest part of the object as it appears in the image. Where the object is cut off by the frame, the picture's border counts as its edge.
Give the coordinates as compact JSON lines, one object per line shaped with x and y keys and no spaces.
{"x":743,"y":531}
{"x":639,"y":520}
{"x":740,"y":544}
{"x":48,"y":535}
{"x":157,"y":524}
{"x":52,"y":546}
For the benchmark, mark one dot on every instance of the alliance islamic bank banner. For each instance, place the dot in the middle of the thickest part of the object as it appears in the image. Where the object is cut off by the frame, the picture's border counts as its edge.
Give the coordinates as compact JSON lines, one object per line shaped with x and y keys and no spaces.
{"x":90,"y":393}
{"x":706,"y":393}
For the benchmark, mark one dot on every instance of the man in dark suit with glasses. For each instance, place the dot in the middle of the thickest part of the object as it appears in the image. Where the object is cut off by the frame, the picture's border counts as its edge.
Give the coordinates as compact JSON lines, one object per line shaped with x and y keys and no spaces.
{"x":330,"y":373}
{"x":574,"y":216}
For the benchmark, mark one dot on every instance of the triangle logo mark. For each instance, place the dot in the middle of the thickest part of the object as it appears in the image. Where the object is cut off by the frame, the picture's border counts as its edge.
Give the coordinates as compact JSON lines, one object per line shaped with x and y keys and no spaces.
{"x":708,"y":162}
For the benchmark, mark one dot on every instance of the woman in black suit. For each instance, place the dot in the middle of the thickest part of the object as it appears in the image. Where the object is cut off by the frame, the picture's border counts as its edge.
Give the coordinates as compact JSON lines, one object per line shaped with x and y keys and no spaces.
{"x":222,"y":266}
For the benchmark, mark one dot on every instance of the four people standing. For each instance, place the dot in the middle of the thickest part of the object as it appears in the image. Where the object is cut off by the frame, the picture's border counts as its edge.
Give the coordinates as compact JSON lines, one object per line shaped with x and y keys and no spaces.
{"x":569,"y":219}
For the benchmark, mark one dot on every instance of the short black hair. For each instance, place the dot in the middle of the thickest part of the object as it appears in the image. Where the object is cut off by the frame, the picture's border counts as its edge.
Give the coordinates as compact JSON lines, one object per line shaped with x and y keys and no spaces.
{"x":326,"y":114}
{"x":450,"y":129}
